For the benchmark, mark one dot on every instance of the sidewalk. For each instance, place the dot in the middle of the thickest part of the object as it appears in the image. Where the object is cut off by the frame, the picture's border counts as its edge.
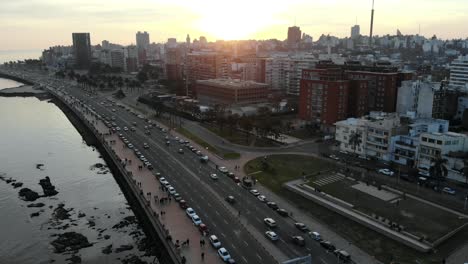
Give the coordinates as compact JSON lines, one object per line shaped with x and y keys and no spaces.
{"x":175,"y":220}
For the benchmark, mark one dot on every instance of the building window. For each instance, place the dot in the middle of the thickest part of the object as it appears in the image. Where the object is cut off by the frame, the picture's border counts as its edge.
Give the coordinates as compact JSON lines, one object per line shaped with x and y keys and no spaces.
{"x":424,"y":139}
{"x":431,"y":140}
{"x":439,"y":142}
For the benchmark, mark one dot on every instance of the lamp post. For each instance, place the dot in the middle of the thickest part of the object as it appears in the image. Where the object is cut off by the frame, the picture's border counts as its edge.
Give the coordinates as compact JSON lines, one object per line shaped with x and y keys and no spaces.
{"x":466,"y":199}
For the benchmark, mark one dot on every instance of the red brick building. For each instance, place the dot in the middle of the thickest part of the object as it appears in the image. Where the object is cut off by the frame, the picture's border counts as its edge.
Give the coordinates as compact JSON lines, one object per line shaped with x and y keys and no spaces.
{"x":323,"y":96}
{"x":231,"y":92}
{"x":206,"y":66}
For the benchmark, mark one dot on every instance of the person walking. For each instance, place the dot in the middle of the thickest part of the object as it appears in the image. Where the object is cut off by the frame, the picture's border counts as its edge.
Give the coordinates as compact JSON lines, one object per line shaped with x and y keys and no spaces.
{"x":203,"y":256}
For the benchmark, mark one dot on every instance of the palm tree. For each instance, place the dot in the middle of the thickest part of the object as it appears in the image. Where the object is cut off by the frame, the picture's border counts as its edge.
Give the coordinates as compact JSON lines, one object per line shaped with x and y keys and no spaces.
{"x":355,"y":140}
{"x":438,"y":170}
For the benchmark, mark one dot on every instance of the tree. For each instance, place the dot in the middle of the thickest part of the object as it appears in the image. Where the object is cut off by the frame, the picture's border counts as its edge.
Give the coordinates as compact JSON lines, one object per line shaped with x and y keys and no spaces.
{"x":438,"y":170}
{"x":246,"y":123}
{"x":142,"y":76}
{"x":355,"y":140}
{"x":232,"y":121}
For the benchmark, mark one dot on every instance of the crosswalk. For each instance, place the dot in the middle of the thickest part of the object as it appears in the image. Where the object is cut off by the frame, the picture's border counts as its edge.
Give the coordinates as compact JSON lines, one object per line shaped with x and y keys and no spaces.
{"x":330,"y":179}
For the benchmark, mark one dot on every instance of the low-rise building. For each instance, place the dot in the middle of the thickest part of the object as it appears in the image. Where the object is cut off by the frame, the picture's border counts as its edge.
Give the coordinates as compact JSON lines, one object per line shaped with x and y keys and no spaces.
{"x":231,"y":92}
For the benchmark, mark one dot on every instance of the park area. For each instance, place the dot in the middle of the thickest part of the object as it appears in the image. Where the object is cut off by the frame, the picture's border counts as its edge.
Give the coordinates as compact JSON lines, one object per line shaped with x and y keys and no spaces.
{"x":416,"y":217}
{"x":413,"y":216}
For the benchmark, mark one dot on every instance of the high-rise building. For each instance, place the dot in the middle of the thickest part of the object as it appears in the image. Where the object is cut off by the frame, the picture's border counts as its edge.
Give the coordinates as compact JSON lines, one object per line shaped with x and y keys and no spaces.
{"x":82,"y":50}
{"x":142,"y":42}
{"x":355,"y":31}
{"x":131,"y":59}
{"x":105,"y":44}
{"x":294,"y":36}
{"x":117,"y":59}
{"x":459,"y":74}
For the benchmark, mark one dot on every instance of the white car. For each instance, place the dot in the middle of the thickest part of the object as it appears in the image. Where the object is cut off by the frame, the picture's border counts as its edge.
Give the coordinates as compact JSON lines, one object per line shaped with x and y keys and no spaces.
{"x":190,"y":212}
{"x":269,"y":222}
{"x":196,"y":220}
{"x":448,"y":190}
{"x":254,"y":192}
{"x":271,"y":235}
{"x":386,"y":172}
{"x":224,"y":254}
{"x":223,"y":169}
{"x":171,"y":190}
{"x":262,"y":198}
{"x":213,"y":176}
{"x":214,"y":241}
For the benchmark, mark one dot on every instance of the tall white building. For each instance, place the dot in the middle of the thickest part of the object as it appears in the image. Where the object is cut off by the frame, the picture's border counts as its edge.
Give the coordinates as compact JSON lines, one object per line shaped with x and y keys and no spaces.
{"x":416,"y":97}
{"x":459,"y":74}
{"x":355,"y":31}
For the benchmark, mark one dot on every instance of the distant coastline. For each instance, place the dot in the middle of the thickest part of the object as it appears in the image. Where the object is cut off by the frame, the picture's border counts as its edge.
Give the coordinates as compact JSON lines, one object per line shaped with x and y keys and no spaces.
{"x":15,"y":55}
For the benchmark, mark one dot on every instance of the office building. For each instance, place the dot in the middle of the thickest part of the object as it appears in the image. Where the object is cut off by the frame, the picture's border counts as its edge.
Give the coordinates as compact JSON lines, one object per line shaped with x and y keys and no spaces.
{"x":459,"y":74}
{"x":355,"y":31}
{"x":82,"y":50}
{"x":294,"y":37}
{"x":142,"y":43}
{"x":416,"y":97}
{"x":231,"y":92}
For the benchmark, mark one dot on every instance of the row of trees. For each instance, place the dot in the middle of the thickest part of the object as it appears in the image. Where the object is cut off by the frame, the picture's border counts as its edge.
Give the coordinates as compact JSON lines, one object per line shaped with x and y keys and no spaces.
{"x":93,"y":82}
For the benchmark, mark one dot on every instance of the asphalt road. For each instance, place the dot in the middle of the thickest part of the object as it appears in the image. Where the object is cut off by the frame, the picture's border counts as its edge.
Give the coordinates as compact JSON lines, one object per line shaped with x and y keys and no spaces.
{"x":191,"y":179}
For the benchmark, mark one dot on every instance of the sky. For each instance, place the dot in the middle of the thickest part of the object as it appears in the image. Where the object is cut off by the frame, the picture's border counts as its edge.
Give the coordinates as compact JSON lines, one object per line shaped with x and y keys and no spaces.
{"x":38,"y":24}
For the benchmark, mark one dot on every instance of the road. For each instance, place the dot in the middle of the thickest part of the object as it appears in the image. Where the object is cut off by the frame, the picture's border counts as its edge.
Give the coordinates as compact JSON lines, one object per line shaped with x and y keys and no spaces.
{"x":191,"y":179}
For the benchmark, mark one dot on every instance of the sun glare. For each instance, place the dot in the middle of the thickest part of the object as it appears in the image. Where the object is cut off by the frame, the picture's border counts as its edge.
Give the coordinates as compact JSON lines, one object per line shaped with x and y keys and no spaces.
{"x":240,"y":19}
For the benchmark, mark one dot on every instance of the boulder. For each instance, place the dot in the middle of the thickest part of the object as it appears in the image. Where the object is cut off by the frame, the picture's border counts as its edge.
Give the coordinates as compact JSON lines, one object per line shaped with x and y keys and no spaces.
{"x":47,"y":187}
{"x":61,"y":213}
{"x":36,"y":205}
{"x":28,"y":194}
{"x":123,"y":248}
{"x":17,"y":184}
{"x":70,"y":241}
{"x":107,"y":250}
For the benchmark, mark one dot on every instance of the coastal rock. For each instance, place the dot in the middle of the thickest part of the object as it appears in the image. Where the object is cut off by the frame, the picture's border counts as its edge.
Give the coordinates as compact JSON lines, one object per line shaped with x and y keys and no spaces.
{"x":74,"y":259}
{"x":123,"y":248}
{"x":40,"y":166}
{"x":125,"y":222}
{"x":47,"y":187}
{"x":61,"y":213}
{"x":28,"y":195}
{"x":107,"y":250}
{"x":35,"y":214}
{"x":36,"y":205}
{"x":106,"y":237}
{"x":132,"y":259}
{"x":70,"y":241}
{"x":81,"y":215}
{"x":17,"y":184}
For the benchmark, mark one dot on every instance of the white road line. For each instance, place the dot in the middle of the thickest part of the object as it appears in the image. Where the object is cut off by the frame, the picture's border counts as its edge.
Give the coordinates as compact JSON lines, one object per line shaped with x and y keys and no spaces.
{"x":217,"y":213}
{"x":247,"y":244}
{"x":223,"y":234}
{"x":258,"y":256}
{"x":323,"y":261}
{"x":245,"y":260}
{"x":225,"y":222}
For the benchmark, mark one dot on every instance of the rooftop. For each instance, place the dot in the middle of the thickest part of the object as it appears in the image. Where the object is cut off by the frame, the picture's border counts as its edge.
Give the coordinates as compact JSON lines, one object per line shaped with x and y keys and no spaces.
{"x":232,"y":83}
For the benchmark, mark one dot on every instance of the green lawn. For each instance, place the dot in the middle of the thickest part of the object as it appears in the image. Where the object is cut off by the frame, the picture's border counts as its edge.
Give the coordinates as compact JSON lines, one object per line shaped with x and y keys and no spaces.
{"x":283,"y":168}
{"x":240,"y":138}
{"x":231,"y":155}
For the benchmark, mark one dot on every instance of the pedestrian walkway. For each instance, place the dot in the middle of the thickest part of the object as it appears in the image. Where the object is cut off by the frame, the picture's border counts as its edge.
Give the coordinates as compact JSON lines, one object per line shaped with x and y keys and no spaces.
{"x":329,"y":179}
{"x":180,"y":228}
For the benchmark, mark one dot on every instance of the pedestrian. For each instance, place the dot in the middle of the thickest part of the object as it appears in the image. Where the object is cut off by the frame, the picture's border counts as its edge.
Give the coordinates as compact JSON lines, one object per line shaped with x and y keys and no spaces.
{"x":188,"y":242}
{"x":183,"y":260}
{"x":203,"y":255}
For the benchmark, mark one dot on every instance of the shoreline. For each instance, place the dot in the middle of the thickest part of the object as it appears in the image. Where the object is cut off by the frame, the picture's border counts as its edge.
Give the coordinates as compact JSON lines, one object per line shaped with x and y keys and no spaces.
{"x":25,"y":90}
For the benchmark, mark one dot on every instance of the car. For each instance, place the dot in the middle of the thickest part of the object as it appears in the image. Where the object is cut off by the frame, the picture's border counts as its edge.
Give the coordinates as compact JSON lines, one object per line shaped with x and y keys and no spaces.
{"x":223,"y":170}
{"x":183,"y":204}
{"x":177,"y":197}
{"x":315,"y":236}
{"x":298,"y":240}
{"x":231,"y":175}
{"x":386,"y":172}
{"x":149,"y":166}
{"x":271,"y":235}
{"x":449,"y":190}
{"x":181,"y":151}
{"x":327,"y":245}
{"x":273,"y":205}
{"x":162,"y":179}
{"x":189,"y":211}
{"x":125,"y":128}
{"x":282,"y":212}
{"x":196,"y":220}
{"x":254,"y":192}
{"x":204,"y":159}
{"x":213,"y":176}
{"x":224,"y":254}
{"x":145,"y":146}
{"x":230,"y":199}
{"x":262,"y":198}
{"x":171,"y":190}
{"x":133,"y":129}
{"x":203,"y":228}
{"x":199,"y":153}
{"x":177,"y":138}
{"x":214,"y":241}
{"x":269,"y":222}
{"x":168,"y":143}
{"x":147,"y":132}
{"x":342,"y":255}
{"x":301,"y":226}
{"x":334,"y":157}
{"x":236,"y":179}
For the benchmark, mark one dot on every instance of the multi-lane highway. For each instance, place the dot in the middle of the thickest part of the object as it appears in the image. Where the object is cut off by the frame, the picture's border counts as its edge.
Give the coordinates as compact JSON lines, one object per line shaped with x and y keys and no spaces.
{"x":244,"y":238}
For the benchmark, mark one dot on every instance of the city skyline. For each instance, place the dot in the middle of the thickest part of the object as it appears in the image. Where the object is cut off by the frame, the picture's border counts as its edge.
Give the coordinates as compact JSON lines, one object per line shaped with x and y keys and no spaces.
{"x":51,"y":22}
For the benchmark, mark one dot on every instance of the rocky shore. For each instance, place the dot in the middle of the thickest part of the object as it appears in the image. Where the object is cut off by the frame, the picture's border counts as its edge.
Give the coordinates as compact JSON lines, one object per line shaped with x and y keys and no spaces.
{"x":25,"y":90}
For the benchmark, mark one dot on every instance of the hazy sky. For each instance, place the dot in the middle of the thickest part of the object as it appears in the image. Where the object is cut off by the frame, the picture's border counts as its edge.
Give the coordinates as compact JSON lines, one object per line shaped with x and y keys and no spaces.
{"x":38,"y":24}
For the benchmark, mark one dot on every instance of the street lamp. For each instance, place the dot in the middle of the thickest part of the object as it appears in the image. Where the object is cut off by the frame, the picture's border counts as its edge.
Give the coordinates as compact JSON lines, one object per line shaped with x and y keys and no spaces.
{"x":466,"y":199}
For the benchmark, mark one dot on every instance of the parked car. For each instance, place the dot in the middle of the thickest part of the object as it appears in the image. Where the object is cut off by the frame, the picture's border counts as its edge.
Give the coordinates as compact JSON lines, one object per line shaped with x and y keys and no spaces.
{"x":262,"y":198}
{"x":386,"y":172}
{"x":183,"y":204}
{"x":203,"y":228}
{"x":214,"y":241}
{"x":328,"y":245}
{"x":224,"y":254}
{"x":269,"y":222}
{"x":449,"y":190}
{"x":334,"y":157}
{"x":342,"y":255}
{"x":213,"y":176}
{"x":271,"y":235}
{"x":181,"y":151}
{"x":254,"y":192}
{"x":196,"y":220}
{"x":315,"y":236}
{"x":298,"y":240}
{"x":223,"y":170}
{"x":189,"y":211}
{"x":273,"y":205}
